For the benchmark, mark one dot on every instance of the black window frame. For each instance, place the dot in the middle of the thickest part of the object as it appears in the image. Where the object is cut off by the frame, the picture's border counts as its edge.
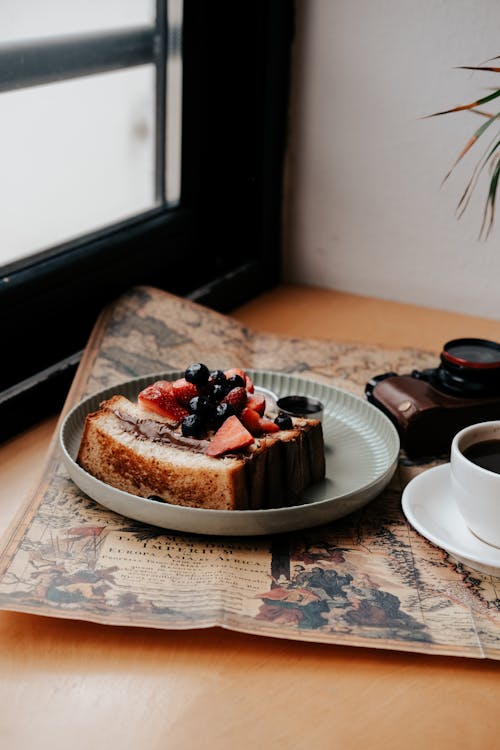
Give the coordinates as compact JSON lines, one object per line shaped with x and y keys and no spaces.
{"x":220,"y":246}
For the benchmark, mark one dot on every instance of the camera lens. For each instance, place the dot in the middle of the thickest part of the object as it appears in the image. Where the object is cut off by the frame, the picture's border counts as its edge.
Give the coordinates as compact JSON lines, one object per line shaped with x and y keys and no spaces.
{"x":470,"y":367}
{"x":475,"y":353}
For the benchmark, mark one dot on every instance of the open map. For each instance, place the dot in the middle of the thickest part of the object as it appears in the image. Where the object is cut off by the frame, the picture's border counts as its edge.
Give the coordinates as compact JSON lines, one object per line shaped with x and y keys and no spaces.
{"x":368,"y":579}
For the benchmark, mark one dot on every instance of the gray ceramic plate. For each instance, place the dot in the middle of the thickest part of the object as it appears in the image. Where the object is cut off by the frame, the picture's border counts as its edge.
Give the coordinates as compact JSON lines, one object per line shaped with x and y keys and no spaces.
{"x":361,"y":446}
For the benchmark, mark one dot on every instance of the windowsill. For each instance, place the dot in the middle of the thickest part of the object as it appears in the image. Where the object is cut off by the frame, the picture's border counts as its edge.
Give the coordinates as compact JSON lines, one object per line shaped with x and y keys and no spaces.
{"x":309,"y":312}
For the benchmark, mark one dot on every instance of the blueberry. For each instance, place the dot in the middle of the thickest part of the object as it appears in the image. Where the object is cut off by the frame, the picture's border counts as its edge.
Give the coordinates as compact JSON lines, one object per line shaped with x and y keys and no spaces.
{"x":283,"y":421}
{"x":197,"y":374}
{"x":218,"y":392}
{"x":193,"y":426}
{"x":201,"y":405}
{"x":235,"y":381}
{"x":218,"y":377}
{"x":222,"y":412}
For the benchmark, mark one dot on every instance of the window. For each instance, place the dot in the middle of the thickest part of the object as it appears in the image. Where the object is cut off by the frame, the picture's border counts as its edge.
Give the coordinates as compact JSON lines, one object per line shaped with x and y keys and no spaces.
{"x":83,"y":119}
{"x":142,"y":143}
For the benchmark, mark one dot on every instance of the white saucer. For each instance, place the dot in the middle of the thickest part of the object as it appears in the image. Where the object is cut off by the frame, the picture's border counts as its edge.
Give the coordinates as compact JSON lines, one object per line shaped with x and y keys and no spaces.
{"x":430,"y":508}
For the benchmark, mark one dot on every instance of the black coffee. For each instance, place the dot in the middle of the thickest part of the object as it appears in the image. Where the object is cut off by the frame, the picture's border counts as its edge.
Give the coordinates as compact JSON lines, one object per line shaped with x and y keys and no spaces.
{"x":485,"y":454}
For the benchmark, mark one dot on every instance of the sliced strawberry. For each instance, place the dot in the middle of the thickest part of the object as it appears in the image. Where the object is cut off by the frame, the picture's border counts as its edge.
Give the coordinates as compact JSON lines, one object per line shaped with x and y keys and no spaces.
{"x":184,"y":391}
{"x":237,"y":397}
{"x":267,"y":425}
{"x":257,"y":424}
{"x":257,"y":401}
{"x":231,"y":436}
{"x":249,"y":383}
{"x":251,"y":419}
{"x":159,"y":397}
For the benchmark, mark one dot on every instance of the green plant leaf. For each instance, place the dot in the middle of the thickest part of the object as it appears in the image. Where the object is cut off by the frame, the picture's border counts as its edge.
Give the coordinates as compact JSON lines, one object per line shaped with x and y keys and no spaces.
{"x":490,"y":156}
{"x":469,"y":189}
{"x":472,"y":140}
{"x":473,"y":105}
{"x":490,"y":203}
{"x":478,"y":67}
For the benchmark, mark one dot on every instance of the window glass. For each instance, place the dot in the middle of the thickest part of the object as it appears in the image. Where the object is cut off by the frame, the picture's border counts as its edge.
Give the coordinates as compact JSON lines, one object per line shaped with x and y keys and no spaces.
{"x":25,"y":19}
{"x":76,"y":155}
{"x":173,"y":104}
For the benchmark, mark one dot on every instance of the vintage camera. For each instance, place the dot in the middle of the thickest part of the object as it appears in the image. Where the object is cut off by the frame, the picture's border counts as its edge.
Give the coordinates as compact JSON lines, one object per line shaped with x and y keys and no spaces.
{"x":428,"y":407}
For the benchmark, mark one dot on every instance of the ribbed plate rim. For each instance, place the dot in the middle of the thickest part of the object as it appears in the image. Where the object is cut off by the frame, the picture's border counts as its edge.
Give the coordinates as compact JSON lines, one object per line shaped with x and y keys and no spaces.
{"x":366,"y":418}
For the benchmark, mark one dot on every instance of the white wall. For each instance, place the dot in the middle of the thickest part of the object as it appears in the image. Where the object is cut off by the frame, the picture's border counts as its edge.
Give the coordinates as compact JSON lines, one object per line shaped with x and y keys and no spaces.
{"x":365,"y":210}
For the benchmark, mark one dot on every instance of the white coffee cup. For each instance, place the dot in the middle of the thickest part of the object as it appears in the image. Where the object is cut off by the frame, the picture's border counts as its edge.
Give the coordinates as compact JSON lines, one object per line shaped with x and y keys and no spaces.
{"x":475,"y":489}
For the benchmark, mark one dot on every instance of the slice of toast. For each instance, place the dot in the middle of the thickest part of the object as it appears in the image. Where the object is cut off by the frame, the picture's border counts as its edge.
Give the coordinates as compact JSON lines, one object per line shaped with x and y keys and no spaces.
{"x":141,"y":452}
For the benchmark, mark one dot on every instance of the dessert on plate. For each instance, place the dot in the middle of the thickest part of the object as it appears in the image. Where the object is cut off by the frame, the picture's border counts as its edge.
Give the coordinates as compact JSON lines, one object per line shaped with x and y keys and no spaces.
{"x":206,"y":440}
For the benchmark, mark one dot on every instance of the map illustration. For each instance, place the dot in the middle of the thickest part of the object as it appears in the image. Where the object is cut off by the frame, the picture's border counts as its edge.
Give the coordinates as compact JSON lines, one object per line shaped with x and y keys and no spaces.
{"x":368,"y":579}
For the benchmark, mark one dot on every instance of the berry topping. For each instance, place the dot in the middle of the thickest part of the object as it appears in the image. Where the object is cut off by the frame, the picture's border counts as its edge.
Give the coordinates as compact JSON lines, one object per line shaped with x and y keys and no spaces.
{"x":218,"y":377}
{"x":201,"y":405}
{"x":237,"y":397}
{"x":218,"y":392}
{"x":197,"y":374}
{"x":235,"y":381}
{"x":203,"y":401}
{"x":222,"y":412}
{"x":267,"y":425}
{"x":251,"y":419}
{"x":283,"y":421}
{"x":236,"y":371}
{"x":231,"y":436}
{"x":249,"y":384}
{"x":193,"y":426}
{"x":257,"y":424}
{"x":257,"y":401}
{"x":247,"y":381}
{"x":184,"y":391}
{"x":160,"y":398}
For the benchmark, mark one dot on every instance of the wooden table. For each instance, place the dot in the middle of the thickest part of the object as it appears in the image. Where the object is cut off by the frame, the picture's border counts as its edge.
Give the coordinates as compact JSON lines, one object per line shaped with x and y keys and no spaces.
{"x":66,"y":684}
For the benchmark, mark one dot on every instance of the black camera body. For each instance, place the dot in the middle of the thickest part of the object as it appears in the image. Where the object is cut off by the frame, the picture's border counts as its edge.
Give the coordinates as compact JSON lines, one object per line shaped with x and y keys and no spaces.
{"x":428,"y":407}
